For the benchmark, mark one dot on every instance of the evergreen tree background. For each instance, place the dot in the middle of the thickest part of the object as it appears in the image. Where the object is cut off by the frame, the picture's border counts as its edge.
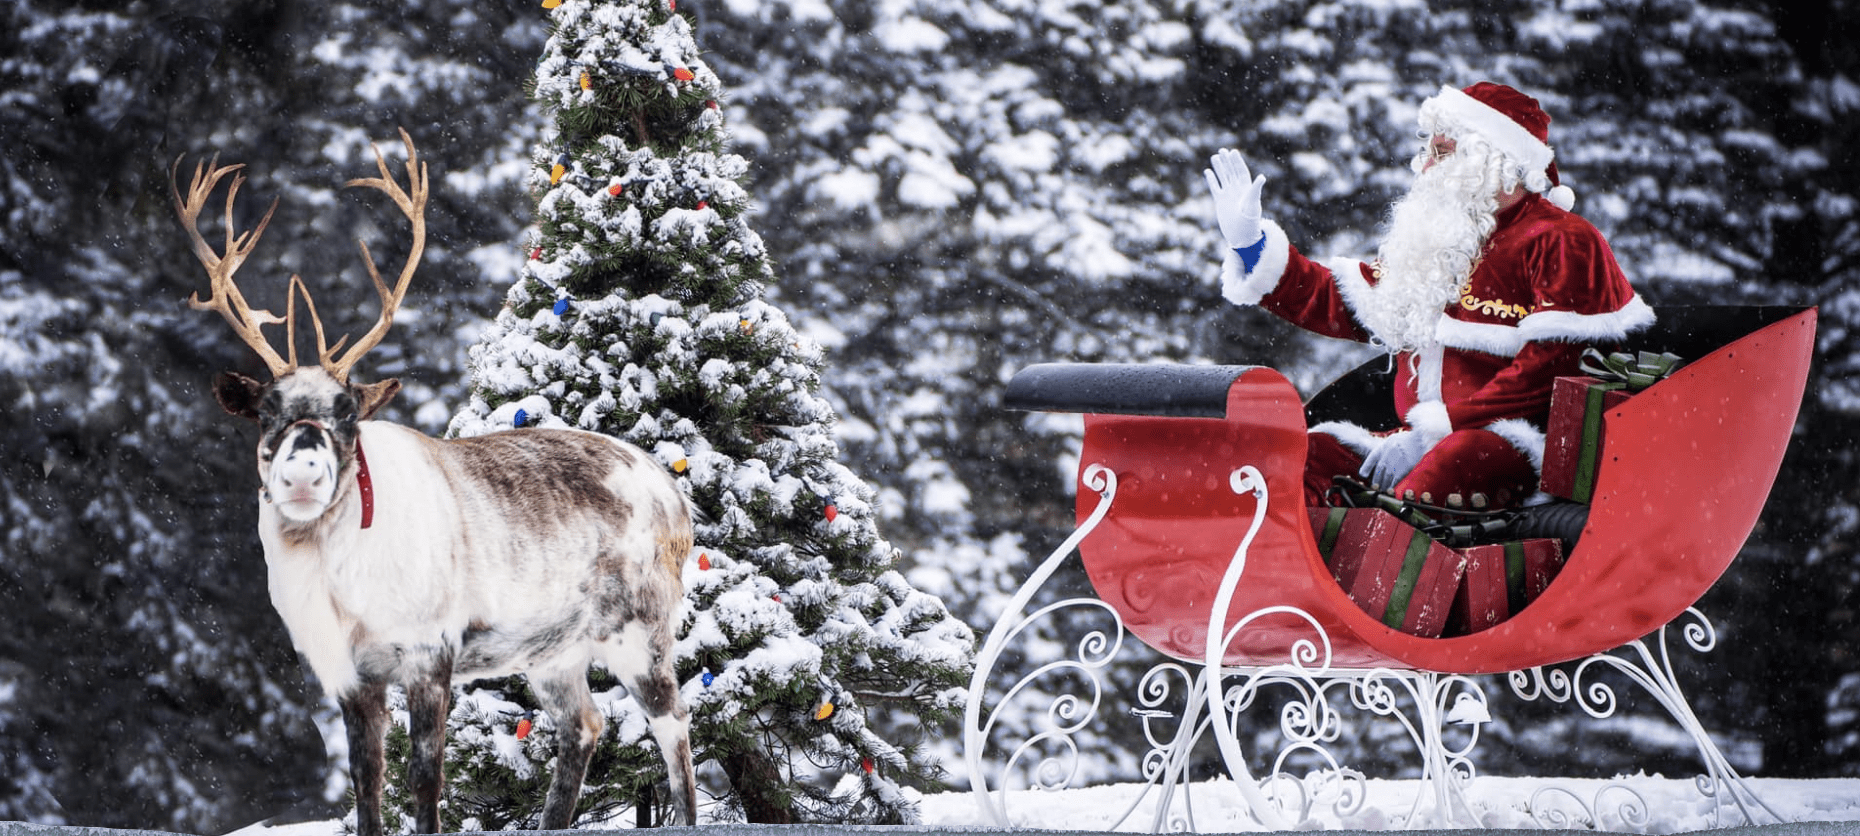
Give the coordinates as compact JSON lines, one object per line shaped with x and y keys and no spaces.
{"x":639,"y":314}
{"x":950,"y":191}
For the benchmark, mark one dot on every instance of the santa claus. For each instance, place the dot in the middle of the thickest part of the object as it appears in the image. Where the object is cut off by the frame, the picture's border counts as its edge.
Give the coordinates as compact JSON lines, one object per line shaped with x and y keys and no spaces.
{"x":1485,"y":288}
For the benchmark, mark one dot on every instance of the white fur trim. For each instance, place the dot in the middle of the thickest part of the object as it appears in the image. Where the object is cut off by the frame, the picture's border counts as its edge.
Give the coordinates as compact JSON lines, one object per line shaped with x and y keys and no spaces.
{"x":1562,"y":197}
{"x":1430,"y":367}
{"x":1358,"y":439}
{"x":1524,"y":436}
{"x":1355,"y":289}
{"x":1485,"y":337}
{"x":1430,"y":419}
{"x":1506,"y":135}
{"x":1243,"y":288}
{"x":1570,"y":327}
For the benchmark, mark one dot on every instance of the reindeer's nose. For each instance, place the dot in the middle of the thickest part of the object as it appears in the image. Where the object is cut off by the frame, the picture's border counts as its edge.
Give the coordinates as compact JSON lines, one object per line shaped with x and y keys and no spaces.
{"x":301,"y":472}
{"x":301,"y":479}
{"x":304,"y":470}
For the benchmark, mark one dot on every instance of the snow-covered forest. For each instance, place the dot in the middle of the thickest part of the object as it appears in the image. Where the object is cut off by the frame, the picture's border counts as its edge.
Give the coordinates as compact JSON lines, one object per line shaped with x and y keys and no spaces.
{"x":948,"y":192}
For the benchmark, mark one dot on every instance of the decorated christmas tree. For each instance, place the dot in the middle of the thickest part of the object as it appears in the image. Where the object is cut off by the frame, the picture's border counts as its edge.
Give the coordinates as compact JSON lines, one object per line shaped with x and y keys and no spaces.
{"x":640,"y":314}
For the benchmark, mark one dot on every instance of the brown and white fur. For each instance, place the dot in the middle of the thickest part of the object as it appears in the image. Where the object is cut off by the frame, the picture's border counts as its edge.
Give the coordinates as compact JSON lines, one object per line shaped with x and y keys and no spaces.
{"x":527,"y":551}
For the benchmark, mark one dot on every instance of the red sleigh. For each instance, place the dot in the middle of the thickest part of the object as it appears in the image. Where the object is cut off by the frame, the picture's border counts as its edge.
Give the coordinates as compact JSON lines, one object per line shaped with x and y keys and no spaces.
{"x":1192,"y":521}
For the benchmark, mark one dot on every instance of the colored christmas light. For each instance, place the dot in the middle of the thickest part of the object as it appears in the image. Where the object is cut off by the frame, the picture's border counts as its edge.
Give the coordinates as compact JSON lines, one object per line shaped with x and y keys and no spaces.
{"x":561,"y":306}
{"x":523,"y":728}
{"x":521,"y":418}
{"x":833,"y":512}
{"x":704,"y":561}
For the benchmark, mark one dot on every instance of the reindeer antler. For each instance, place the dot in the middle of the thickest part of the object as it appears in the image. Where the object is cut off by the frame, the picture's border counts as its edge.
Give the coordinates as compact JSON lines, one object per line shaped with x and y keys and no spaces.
{"x":413,"y":205}
{"x":247,"y":322}
{"x":224,"y":295}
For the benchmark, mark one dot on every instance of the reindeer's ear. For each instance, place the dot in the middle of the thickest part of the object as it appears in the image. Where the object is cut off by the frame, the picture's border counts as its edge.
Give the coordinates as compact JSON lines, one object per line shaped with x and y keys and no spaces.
{"x":369,"y":398}
{"x":238,"y":394}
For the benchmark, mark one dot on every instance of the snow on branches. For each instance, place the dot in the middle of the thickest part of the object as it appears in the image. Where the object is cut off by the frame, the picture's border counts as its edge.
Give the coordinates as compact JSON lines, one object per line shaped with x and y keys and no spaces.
{"x":639,"y":314}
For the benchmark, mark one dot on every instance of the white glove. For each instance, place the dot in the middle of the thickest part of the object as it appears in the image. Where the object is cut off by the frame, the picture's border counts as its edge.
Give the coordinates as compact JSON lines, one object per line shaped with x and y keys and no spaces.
{"x":1394,"y":458}
{"x":1236,"y":197}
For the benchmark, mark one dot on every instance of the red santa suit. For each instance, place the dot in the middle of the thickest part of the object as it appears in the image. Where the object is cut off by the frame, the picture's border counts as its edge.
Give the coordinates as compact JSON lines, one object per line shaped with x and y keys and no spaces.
{"x":1546,"y":288}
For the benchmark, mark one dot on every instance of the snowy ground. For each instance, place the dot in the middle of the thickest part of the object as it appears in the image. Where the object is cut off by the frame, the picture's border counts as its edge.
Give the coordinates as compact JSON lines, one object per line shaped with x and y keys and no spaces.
{"x":1671,"y":806}
{"x":1662,"y":806}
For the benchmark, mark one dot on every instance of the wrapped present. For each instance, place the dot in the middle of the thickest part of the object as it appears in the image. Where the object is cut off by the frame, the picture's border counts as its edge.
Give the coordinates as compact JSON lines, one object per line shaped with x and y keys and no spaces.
{"x":1501,"y":579}
{"x":1394,"y":571}
{"x":1574,"y":437}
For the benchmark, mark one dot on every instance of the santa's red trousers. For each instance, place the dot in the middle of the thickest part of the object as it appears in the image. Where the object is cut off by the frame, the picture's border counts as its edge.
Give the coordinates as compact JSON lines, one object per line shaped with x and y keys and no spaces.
{"x":1466,"y":462}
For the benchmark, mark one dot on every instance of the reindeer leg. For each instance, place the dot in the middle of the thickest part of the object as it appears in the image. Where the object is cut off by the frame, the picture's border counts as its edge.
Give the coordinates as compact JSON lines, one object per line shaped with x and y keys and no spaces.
{"x":429,"y":700}
{"x":655,"y":686}
{"x":364,"y":717}
{"x":578,"y":728}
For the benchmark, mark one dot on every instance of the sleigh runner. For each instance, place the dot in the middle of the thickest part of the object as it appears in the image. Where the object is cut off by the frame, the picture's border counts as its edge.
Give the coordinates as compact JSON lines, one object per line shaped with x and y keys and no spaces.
{"x":1192,"y":525}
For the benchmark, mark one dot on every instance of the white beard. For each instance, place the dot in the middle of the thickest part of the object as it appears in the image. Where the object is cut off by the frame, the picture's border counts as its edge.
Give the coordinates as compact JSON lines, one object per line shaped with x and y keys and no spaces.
{"x":1433,"y":240}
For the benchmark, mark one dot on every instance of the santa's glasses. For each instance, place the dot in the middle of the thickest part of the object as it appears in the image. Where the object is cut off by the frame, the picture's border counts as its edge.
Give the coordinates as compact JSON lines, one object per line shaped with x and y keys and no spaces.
{"x":1439,"y":148}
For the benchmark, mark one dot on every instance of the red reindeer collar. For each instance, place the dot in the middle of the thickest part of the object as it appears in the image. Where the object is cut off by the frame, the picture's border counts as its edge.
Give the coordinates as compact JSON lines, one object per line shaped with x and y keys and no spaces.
{"x":364,"y":484}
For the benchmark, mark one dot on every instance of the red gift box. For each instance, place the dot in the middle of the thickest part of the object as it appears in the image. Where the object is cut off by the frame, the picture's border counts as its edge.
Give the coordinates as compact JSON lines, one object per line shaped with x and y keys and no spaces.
{"x":1573,"y":439}
{"x":1394,"y":571}
{"x":1501,"y":579}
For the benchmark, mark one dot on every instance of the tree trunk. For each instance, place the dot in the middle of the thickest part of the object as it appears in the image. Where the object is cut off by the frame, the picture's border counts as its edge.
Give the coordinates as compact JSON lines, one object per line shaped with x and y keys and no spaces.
{"x":759,"y":784}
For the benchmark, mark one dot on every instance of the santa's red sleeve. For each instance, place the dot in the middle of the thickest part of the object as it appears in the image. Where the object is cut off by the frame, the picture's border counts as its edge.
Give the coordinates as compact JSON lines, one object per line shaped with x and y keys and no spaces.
{"x":1318,"y":297}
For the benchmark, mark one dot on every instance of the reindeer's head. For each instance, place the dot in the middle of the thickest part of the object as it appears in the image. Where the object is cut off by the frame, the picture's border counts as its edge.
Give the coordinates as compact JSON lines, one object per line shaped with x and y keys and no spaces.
{"x":307,"y":416}
{"x":307,"y":432}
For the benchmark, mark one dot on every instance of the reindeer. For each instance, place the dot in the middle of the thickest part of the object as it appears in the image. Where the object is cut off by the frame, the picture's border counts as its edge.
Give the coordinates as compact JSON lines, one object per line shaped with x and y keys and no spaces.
{"x":398,"y":559}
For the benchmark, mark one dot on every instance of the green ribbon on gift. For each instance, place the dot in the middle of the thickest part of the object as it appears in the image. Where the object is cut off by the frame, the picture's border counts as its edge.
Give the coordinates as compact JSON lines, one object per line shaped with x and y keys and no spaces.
{"x":1333,"y":526}
{"x":1402,"y":595}
{"x":1514,"y":576}
{"x":1630,"y":370}
{"x":1589,"y":454}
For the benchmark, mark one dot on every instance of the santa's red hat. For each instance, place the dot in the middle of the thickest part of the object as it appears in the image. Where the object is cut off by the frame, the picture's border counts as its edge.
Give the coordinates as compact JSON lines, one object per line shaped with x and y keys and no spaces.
{"x":1512,"y":122}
